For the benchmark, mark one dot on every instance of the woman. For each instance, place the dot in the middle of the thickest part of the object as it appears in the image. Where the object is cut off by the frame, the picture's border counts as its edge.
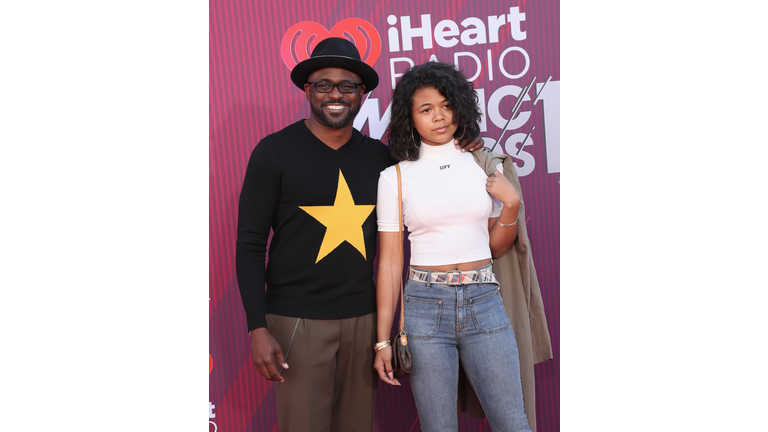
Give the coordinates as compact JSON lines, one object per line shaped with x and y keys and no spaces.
{"x":453,"y":310}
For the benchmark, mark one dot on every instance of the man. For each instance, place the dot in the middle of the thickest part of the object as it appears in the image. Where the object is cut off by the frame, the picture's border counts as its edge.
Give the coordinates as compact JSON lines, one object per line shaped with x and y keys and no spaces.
{"x":314,"y":184}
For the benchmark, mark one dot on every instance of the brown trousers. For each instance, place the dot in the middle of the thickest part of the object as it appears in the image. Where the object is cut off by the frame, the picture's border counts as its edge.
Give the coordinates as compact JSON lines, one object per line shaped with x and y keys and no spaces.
{"x":330,"y":383}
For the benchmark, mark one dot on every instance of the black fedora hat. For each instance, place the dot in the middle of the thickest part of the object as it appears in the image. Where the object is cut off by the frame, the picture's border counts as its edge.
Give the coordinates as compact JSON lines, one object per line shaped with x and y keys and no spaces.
{"x":338,"y":53}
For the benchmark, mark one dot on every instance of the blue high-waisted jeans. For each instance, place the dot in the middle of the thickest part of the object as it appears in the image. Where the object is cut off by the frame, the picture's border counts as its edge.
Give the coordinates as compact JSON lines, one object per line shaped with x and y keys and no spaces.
{"x":467,"y":323}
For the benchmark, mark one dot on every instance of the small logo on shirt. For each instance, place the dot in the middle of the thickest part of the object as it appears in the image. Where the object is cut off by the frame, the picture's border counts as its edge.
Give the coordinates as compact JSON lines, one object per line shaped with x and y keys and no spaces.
{"x":442,"y":167}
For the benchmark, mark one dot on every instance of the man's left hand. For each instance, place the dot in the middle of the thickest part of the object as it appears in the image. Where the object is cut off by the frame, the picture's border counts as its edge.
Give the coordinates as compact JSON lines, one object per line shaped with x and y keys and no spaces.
{"x":477,"y":144}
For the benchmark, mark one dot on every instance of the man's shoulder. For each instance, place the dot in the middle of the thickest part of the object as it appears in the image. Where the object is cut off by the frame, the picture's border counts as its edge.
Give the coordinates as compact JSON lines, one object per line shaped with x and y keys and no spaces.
{"x":373,"y":145}
{"x":280,"y":142}
{"x":368,"y":140}
{"x":291,"y":131}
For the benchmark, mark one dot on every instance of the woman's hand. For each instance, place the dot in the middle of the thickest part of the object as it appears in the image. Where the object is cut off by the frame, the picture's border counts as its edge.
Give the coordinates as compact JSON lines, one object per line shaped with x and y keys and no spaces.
{"x":503,"y":190}
{"x":383,"y":365}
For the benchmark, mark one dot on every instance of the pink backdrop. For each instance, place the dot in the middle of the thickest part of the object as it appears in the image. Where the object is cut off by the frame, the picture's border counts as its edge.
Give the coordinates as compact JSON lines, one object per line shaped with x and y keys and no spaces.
{"x":503,"y":46}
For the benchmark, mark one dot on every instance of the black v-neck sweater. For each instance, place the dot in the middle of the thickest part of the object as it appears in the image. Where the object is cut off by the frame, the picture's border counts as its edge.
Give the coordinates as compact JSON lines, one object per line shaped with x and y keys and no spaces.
{"x":316,"y":267}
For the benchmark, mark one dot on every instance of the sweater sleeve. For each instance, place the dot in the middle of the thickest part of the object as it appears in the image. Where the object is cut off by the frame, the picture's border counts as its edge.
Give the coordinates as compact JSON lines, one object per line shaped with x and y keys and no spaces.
{"x":258,"y":200}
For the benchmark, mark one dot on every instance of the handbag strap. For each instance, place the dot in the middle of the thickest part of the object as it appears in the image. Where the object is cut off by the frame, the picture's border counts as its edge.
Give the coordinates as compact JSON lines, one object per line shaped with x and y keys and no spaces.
{"x":400,"y":247}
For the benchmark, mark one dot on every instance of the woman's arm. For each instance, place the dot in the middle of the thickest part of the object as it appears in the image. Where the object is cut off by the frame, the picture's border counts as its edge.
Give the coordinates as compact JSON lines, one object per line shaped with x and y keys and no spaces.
{"x":502,"y":237}
{"x":389,"y":274}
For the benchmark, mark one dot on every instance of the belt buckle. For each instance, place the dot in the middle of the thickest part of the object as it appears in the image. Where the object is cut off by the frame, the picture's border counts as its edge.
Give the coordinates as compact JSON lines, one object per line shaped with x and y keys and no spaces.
{"x":453,"y":278}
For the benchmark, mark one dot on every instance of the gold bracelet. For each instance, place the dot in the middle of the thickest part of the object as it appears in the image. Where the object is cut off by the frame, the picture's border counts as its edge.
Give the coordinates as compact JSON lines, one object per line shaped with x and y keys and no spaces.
{"x":381,"y":345}
{"x":498,"y":221}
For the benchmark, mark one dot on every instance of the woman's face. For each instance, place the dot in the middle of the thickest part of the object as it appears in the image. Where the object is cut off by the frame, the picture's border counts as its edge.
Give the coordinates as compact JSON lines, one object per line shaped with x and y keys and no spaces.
{"x":432,"y":116}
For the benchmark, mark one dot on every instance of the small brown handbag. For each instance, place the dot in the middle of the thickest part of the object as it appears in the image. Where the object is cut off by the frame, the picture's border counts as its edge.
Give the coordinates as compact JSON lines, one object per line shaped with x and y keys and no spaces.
{"x":402,"y":362}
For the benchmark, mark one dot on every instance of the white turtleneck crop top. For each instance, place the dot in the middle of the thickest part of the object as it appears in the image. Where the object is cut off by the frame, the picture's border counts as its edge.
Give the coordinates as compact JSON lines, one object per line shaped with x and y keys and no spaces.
{"x":445,"y":206}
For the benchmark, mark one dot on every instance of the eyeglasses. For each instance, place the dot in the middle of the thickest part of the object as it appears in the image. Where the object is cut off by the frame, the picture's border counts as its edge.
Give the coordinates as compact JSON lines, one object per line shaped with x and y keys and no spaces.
{"x":327,"y":86}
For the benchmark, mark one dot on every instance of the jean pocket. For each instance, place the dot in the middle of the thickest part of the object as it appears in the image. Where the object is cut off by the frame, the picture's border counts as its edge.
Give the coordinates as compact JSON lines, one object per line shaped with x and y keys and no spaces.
{"x":488,"y":313}
{"x":422,"y":317}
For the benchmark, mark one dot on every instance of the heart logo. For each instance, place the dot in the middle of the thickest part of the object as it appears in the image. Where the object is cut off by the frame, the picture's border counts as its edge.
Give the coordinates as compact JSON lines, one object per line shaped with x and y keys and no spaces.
{"x":210,"y":364}
{"x":299,"y":41}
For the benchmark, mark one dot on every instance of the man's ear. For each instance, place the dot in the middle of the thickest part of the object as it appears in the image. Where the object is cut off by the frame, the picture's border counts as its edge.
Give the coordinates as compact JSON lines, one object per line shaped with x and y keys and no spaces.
{"x":307,"y":90}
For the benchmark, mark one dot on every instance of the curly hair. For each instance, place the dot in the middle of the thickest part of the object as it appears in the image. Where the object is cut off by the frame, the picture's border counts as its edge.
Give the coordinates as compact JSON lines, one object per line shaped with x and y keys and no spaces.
{"x":403,"y":139}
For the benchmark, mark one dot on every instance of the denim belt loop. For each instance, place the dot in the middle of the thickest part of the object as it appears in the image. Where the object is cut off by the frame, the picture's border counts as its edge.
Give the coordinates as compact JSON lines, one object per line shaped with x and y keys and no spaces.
{"x":429,"y":277}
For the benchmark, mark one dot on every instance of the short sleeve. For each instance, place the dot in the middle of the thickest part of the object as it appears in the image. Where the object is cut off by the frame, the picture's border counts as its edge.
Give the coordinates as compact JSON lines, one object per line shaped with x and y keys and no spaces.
{"x":386,"y":202}
{"x":497,"y":206}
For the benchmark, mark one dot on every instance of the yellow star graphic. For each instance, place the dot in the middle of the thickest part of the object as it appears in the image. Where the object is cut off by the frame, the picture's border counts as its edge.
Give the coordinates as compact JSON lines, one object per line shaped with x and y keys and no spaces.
{"x":343,"y":220}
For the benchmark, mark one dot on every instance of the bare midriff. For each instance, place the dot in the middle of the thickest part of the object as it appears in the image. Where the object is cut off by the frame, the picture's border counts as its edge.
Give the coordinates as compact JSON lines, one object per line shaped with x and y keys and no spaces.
{"x":460,"y":266}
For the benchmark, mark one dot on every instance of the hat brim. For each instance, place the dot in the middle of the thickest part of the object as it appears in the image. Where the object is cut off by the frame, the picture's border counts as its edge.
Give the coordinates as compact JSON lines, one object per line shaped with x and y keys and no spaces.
{"x":303,"y":70}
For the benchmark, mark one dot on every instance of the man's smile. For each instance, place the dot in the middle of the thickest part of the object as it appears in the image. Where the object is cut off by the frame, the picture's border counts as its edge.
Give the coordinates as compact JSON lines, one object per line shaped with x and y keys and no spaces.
{"x":336,"y":106}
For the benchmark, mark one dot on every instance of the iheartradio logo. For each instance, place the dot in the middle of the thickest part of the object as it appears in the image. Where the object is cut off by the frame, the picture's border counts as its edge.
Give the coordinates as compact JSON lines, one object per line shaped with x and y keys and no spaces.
{"x":299,"y":41}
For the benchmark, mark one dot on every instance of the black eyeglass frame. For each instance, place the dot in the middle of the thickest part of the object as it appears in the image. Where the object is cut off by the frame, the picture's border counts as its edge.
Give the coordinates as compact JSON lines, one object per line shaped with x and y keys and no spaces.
{"x":335,"y":85}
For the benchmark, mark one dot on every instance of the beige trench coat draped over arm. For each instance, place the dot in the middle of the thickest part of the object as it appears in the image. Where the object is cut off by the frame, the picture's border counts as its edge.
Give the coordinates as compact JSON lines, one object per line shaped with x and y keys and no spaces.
{"x":522,"y":300}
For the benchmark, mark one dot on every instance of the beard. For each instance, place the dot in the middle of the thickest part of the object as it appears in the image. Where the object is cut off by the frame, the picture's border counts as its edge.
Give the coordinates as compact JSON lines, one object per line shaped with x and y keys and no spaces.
{"x":335,"y":122}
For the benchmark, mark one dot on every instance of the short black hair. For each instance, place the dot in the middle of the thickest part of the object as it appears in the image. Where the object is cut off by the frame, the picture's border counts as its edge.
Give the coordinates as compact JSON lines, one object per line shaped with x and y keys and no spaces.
{"x":404,"y":140}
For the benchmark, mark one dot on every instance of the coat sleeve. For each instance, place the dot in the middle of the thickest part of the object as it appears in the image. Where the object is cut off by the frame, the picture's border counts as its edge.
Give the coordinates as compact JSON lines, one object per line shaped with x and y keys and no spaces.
{"x":540,"y":338}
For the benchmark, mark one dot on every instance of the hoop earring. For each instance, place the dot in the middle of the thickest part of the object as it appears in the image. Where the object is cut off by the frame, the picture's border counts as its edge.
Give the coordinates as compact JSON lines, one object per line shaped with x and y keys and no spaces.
{"x":413,"y":138}
{"x":462,"y":134}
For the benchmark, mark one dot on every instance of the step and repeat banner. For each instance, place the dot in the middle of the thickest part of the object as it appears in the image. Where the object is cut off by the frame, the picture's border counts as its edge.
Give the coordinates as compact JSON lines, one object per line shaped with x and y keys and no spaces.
{"x":510,"y":51}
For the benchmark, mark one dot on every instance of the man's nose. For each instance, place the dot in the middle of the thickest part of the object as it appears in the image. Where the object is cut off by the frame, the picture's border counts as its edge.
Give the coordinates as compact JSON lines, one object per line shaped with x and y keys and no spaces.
{"x":336,"y":93}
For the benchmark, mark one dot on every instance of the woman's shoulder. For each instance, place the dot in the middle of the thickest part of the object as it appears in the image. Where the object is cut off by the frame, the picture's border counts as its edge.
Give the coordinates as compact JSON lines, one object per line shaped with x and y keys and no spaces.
{"x":485,"y":158}
{"x":389,"y":173}
{"x":392,"y":171}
